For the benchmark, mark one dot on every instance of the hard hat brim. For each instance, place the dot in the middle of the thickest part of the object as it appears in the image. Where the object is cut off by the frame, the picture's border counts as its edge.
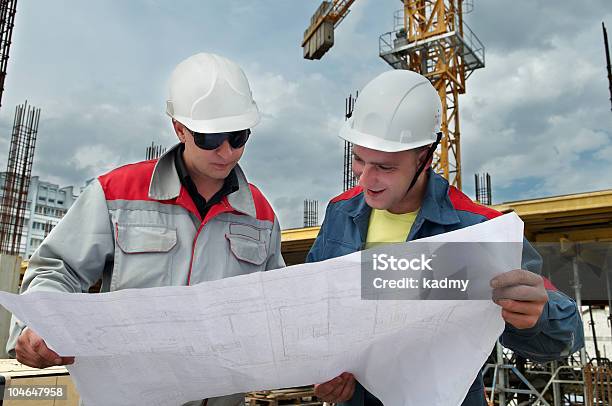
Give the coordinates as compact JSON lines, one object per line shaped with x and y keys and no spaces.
{"x":376,"y":143}
{"x":220,"y":125}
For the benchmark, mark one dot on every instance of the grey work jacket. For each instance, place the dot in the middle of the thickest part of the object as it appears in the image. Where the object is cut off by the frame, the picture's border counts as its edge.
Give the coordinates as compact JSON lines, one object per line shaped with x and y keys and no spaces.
{"x":137,"y":227}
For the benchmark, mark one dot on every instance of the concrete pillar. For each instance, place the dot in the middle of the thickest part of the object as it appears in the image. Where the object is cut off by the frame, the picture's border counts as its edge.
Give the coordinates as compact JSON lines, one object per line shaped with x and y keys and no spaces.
{"x":10,"y":266}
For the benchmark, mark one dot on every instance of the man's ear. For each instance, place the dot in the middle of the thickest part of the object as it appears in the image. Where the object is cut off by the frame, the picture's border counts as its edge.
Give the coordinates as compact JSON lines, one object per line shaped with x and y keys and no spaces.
{"x":422,"y":155}
{"x":180,"y":130}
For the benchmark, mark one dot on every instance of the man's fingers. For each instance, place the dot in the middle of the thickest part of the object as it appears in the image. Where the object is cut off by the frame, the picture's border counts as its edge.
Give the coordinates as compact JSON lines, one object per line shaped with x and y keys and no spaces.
{"x":27,"y":356}
{"x":339,"y":393}
{"x":40,"y":348}
{"x":339,"y":389}
{"x":521,"y":315}
{"x":516,"y":277}
{"x":67,"y":360}
{"x":51,"y":357}
{"x":32,"y":350}
{"x":522,"y":296}
{"x":324,"y":390}
{"x":520,"y":321}
{"x":521,"y":292}
{"x":518,"y":308}
{"x":321,"y":390}
{"x":348,"y":390}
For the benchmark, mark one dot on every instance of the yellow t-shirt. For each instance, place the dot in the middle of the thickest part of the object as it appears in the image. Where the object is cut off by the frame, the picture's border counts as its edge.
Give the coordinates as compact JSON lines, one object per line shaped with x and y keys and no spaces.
{"x":386,"y":227}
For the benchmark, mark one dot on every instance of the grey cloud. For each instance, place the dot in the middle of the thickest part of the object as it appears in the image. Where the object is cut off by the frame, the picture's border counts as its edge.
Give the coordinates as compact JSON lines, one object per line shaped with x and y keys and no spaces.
{"x":521,"y":24}
{"x":104,"y":94}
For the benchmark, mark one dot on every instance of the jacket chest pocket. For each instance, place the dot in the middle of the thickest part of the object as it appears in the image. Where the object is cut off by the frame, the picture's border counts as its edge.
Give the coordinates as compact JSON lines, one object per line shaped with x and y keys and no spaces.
{"x":334,"y":248}
{"x":248,"y":247}
{"x":143,"y":257}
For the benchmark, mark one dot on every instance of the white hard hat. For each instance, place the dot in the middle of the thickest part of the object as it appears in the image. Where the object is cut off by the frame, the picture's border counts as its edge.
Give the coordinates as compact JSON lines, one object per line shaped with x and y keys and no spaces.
{"x":209,"y":94}
{"x":398,"y":110}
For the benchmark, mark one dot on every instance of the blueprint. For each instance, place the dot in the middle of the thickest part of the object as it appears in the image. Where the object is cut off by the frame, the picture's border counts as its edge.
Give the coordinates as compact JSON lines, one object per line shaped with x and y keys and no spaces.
{"x":295,"y":326}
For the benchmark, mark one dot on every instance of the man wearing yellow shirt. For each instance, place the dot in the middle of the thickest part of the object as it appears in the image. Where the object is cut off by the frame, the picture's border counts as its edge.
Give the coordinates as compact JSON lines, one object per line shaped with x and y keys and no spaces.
{"x":387,"y":227}
{"x":395,"y":129}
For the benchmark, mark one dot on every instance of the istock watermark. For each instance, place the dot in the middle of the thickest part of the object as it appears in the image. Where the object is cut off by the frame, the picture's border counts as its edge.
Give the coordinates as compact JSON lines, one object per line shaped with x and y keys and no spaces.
{"x":436,"y":271}
{"x":413,"y":283}
{"x":463,"y":270}
{"x":383,"y":262}
{"x":386,"y":262}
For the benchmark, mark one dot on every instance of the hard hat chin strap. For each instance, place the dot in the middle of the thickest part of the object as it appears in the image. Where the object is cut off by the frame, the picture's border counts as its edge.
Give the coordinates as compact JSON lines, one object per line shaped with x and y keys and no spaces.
{"x":430,"y":152}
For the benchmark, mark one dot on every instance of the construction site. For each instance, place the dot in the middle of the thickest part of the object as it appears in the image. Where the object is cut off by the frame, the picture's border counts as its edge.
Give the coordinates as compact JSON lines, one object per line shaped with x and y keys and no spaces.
{"x":572,"y":232}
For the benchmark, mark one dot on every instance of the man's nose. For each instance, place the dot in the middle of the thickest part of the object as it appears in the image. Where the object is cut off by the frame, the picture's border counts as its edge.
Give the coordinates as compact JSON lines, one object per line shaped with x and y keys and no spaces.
{"x":225,"y":150}
{"x":367,"y":177}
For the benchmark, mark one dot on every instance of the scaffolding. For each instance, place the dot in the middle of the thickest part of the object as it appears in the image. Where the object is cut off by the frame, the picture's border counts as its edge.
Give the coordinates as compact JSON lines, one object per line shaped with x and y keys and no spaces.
{"x":483,"y":188}
{"x":154,"y":151}
{"x":512,"y":380}
{"x":349,"y":181}
{"x":608,"y":67}
{"x":598,"y":382}
{"x":7,"y":22}
{"x":582,"y":271}
{"x":17,"y":181}
{"x":311,"y":213}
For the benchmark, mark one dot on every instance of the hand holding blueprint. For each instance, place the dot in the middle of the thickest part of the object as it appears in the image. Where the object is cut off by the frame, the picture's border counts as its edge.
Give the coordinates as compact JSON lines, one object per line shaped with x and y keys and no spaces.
{"x":296,"y":326}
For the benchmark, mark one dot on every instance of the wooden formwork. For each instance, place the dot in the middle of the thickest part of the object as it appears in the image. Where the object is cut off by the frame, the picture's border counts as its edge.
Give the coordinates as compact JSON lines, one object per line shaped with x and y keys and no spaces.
{"x":598,"y":384}
{"x":294,"y":396}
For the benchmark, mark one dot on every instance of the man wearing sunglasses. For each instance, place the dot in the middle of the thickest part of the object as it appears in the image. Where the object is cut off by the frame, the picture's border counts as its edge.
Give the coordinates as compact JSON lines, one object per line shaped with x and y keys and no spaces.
{"x":188,"y":217}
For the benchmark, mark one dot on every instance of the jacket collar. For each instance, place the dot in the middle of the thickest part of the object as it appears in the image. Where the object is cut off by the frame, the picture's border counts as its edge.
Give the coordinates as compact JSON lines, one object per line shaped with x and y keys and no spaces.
{"x":436,"y":206}
{"x":242,"y":200}
{"x":166,"y":185}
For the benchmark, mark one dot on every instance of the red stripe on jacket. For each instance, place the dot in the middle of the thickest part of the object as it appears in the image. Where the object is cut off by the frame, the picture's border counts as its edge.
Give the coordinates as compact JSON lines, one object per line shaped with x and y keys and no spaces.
{"x":548,"y":285}
{"x":262,"y":207}
{"x":461,"y":202}
{"x":128,"y":182}
{"x":349,"y":194}
{"x":131,"y":182}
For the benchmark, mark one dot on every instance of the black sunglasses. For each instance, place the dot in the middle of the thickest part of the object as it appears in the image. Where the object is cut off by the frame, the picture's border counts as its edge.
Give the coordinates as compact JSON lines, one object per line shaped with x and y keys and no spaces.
{"x":210,"y":141}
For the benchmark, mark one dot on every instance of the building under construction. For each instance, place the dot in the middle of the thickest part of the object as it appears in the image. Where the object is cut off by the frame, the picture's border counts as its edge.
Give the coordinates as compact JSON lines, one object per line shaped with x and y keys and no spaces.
{"x":17,"y":178}
{"x":46,"y":204}
{"x":8,"y":8}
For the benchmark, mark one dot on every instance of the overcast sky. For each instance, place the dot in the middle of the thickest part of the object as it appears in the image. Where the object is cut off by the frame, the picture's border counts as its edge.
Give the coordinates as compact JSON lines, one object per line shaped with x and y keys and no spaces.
{"x":537,"y":117}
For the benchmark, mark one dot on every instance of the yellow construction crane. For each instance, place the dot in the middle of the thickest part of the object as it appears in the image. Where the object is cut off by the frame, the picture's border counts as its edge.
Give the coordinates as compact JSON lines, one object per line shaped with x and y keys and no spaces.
{"x":319,"y":36}
{"x":429,"y":37}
